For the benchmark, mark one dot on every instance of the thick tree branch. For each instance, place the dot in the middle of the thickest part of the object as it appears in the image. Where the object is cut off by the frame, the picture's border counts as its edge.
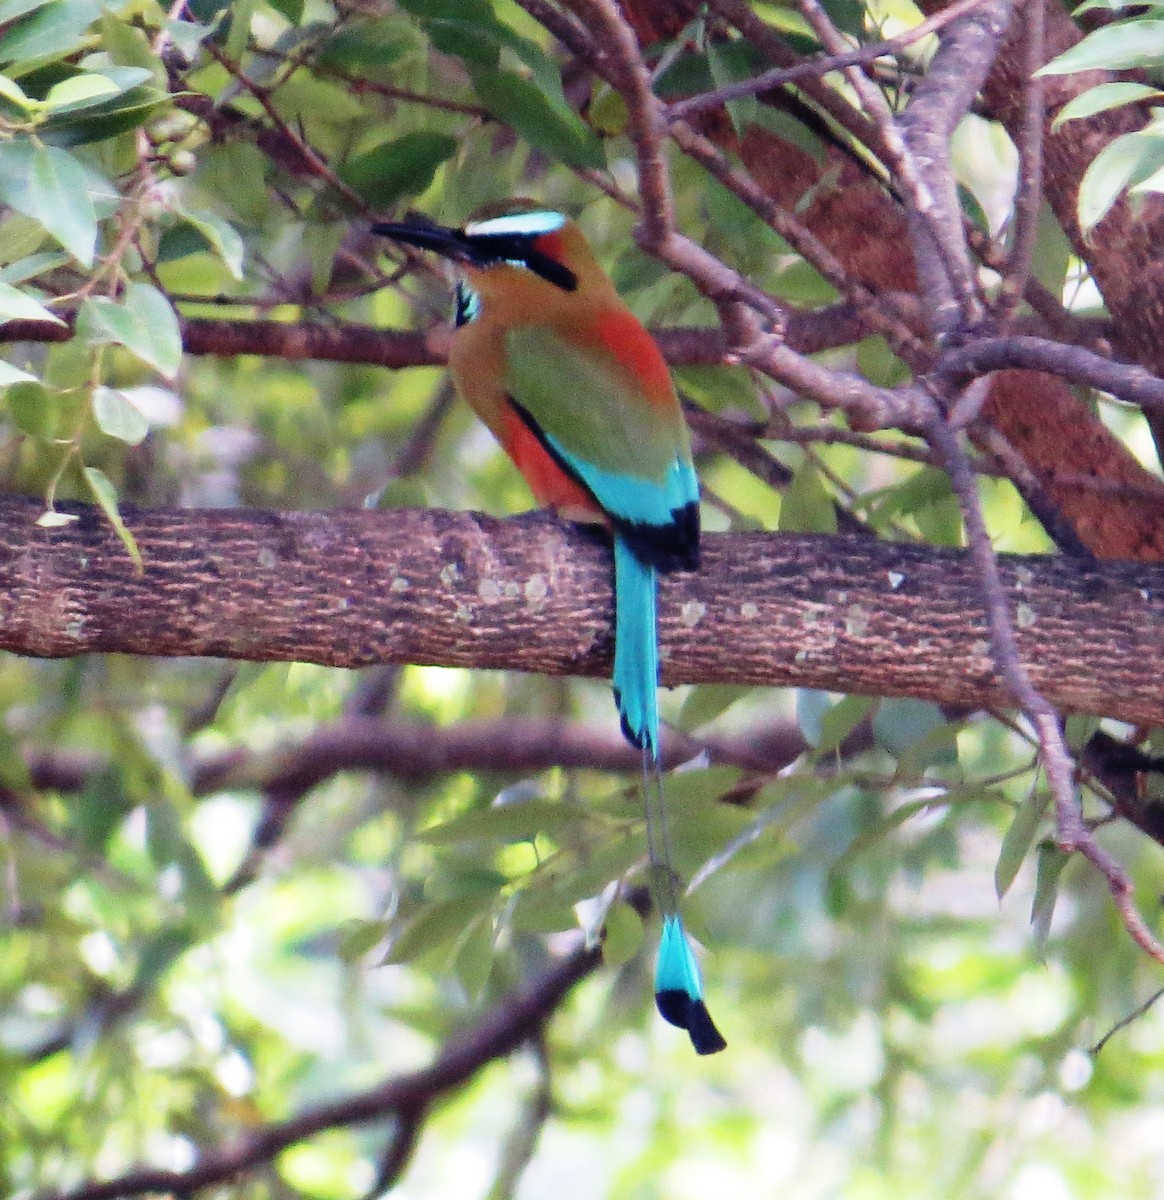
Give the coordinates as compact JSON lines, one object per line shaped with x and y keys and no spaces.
{"x":349,"y":588}
{"x":1076,"y":364}
{"x":806,"y":332}
{"x":414,"y":751}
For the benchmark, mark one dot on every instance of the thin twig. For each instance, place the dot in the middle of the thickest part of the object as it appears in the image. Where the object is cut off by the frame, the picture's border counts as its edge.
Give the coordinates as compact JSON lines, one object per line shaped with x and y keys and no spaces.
{"x":522,"y":1143}
{"x":819,"y":66}
{"x":1030,"y":487}
{"x":1136,"y":1013}
{"x":1073,"y":835}
{"x":1028,"y":198}
{"x":311,"y":157}
{"x":397,"y":1154}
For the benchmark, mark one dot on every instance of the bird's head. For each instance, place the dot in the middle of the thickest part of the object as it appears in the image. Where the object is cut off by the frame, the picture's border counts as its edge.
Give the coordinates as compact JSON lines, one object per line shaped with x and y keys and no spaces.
{"x":506,"y":241}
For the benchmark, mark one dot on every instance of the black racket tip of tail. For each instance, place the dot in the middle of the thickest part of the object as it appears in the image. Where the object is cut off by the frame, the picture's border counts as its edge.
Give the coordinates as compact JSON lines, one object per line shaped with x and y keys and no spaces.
{"x":686,"y":1012}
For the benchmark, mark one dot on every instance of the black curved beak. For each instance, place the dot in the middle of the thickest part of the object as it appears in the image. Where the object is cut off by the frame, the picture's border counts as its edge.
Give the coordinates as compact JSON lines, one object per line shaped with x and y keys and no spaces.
{"x":427,"y":235}
{"x":478,"y":250}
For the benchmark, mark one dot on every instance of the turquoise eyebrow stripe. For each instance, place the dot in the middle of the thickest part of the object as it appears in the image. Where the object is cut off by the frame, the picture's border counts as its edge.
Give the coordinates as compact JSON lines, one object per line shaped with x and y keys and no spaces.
{"x":528,"y":224}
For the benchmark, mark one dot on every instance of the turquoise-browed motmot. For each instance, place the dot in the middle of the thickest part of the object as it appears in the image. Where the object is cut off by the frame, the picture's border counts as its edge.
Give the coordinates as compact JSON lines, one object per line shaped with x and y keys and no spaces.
{"x":578,"y":394}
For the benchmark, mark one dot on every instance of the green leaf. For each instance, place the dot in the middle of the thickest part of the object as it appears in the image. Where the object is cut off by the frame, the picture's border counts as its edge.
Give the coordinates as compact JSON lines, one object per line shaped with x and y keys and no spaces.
{"x":777,"y":807}
{"x":480,"y":11}
{"x":900,"y":724}
{"x":516,"y":822}
{"x":623,"y":935}
{"x":33,"y":408}
{"x":848,"y":16}
{"x":104,"y":119}
{"x":1137,"y":43}
{"x":143,"y":322}
{"x":105,"y":494}
{"x":879,"y":364}
{"x":538,"y":912}
{"x":118,"y":416}
{"x":474,"y":957}
{"x":468,"y":31}
{"x":1051,"y":862}
{"x":1101,"y":98}
{"x":811,"y":706}
{"x":715,"y":388}
{"x":708,"y":701}
{"x":80,"y":91}
{"x":320,"y":246}
{"x":11,"y":9}
{"x":242,"y":14}
{"x":16,"y":305}
{"x":435,"y":926}
{"x":14,"y":773}
{"x":520,"y":104}
{"x":1017,"y":840}
{"x":20,"y":235}
{"x":224,"y":239}
{"x":160,"y":953}
{"x":16,"y":161}
{"x":129,"y":47}
{"x":806,"y":506}
{"x":729,"y":68}
{"x":840,"y":720}
{"x":357,"y":938}
{"x":53,"y":30}
{"x":1122,"y":163}
{"x":187,"y":36}
{"x":11,"y":90}
{"x":291,"y":9}
{"x":165,"y":839}
{"x":99,"y":809}
{"x":368,"y":44}
{"x":402,"y":167}
{"x":59,"y":196}
{"x":235,"y":174}
{"x":32,"y":266}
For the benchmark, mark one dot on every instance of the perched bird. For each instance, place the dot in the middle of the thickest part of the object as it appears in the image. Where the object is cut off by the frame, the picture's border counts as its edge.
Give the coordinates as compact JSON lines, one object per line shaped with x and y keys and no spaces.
{"x":578,"y":394}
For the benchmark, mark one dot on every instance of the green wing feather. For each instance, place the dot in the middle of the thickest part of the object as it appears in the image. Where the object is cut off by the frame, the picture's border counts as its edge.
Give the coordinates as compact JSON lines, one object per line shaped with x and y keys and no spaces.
{"x":592,"y":407}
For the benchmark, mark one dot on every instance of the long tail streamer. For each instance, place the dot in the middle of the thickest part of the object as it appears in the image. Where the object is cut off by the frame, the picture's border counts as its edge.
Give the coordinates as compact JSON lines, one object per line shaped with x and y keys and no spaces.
{"x":678,"y":984}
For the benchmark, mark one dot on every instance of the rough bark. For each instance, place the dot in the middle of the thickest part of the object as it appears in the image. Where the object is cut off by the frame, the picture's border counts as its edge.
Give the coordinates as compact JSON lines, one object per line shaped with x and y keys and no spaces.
{"x":807,"y":332}
{"x":350,"y":588}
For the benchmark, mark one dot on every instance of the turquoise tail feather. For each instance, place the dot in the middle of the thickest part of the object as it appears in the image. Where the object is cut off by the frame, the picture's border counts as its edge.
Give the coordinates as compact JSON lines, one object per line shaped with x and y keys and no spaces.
{"x":678,"y":985}
{"x":636,"y":649}
{"x":679,"y":989}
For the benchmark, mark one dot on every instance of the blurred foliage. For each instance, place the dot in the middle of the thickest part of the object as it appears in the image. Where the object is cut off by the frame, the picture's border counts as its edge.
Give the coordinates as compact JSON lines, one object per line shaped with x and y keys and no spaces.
{"x":895,"y":1025}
